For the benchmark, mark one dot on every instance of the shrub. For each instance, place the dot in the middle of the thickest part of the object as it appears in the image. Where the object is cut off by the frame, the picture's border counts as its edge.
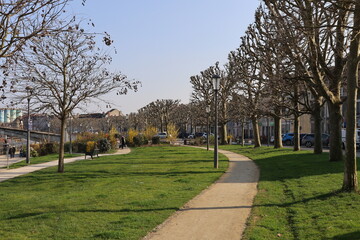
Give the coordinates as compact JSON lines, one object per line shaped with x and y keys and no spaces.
{"x":172,"y":132}
{"x":79,"y":147}
{"x":139,"y":140}
{"x":33,"y":153}
{"x":150,"y":132}
{"x":155,"y":140}
{"x":131,"y":134}
{"x":90,"y":146}
{"x":104,"y":145}
{"x":198,"y":141}
{"x":88,"y":136}
{"x":112,"y":138}
{"x":36,"y":147}
{"x":48,"y":148}
{"x":67,"y":147}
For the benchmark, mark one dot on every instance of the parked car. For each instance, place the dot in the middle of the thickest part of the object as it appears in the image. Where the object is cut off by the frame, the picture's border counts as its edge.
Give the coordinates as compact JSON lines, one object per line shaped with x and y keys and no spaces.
{"x":309,"y":139}
{"x":161,"y":135}
{"x":288,"y":138}
{"x":200,"y":134}
{"x":343,"y":137}
{"x":197,"y":135}
{"x":183,"y":135}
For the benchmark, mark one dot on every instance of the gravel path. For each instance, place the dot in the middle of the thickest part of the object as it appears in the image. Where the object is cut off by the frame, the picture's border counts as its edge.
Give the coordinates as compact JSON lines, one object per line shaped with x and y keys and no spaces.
{"x":220,"y":212}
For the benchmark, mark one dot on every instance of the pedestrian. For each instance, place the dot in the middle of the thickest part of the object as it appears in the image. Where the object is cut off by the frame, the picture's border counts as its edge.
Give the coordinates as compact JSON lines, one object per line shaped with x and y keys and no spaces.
{"x":123,"y":142}
{"x":13,"y":151}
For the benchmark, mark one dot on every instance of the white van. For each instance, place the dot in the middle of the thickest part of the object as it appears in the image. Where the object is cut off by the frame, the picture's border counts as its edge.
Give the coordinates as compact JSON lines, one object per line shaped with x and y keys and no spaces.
{"x":343,"y":137}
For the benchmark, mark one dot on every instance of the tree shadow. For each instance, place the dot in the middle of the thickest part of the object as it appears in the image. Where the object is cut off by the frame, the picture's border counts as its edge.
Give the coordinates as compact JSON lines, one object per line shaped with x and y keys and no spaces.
{"x":42,"y":177}
{"x":321,"y":197}
{"x":348,"y":236}
{"x":293,"y":166}
{"x":125,"y":210}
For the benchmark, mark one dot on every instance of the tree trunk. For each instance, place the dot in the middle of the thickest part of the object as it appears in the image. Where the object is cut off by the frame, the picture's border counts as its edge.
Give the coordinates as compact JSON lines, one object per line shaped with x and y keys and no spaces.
{"x":223,"y":130}
{"x":255,"y":124}
{"x":61,"y":146}
{"x":296,"y":119}
{"x":316,"y":114}
{"x":335,"y":128}
{"x":350,"y":182}
{"x":296,"y":132}
{"x":223,"y":123}
{"x":277,"y":132}
{"x":242,"y":133}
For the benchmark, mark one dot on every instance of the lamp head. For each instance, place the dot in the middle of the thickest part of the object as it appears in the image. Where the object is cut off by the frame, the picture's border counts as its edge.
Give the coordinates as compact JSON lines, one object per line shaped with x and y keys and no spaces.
{"x":216,"y":82}
{"x":207,"y":109}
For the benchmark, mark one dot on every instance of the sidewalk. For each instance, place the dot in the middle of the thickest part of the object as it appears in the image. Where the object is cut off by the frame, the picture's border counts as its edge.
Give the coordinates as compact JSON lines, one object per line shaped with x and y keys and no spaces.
{"x":219,"y":212}
{"x":6,"y":174}
{"x":4,"y":161}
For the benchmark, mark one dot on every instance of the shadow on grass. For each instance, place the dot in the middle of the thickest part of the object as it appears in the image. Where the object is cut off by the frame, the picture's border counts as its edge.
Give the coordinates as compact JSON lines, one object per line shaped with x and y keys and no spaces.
{"x":149,"y":162}
{"x":321,"y":197}
{"x":125,"y":210}
{"x":42,"y":176}
{"x":348,"y":236}
{"x":294,"y":165}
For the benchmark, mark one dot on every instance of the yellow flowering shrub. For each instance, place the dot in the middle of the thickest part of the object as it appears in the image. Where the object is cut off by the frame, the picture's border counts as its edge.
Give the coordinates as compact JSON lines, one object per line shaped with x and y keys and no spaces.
{"x":90,"y":146}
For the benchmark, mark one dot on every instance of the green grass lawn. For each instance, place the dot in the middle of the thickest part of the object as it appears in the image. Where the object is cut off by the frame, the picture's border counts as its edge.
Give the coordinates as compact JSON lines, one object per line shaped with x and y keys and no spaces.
{"x":110,"y":197}
{"x":299,"y":197}
{"x":42,"y":159}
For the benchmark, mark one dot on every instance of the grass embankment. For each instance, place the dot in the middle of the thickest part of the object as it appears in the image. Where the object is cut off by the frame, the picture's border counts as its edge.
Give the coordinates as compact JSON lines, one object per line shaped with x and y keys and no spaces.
{"x":42,"y":159}
{"x":112,"y":197}
{"x":299,"y":197}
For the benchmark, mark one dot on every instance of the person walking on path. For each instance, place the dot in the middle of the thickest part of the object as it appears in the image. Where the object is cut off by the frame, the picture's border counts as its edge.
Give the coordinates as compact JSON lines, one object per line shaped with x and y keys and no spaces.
{"x":123,"y":142}
{"x":219,"y":212}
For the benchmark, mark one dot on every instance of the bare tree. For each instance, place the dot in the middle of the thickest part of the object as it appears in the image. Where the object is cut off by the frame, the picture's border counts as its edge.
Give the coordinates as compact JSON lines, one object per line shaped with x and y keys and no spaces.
{"x":159,"y":112}
{"x":245,"y":67}
{"x":322,"y":51}
{"x":24,"y":19}
{"x":329,"y":44}
{"x":65,"y":70}
{"x":238,"y":113}
{"x":203,"y":92}
{"x":181,"y":117}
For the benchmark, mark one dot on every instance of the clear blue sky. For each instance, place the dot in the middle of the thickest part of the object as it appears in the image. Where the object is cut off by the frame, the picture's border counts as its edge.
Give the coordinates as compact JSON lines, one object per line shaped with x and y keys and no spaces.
{"x":163,"y":42}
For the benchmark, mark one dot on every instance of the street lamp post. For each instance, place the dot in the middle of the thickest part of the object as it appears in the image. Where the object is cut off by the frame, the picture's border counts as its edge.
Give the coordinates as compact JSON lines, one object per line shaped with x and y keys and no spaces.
{"x":268,"y":131}
{"x":48,"y":131}
{"x":29,"y":92}
{"x":207,"y":127}
{"x":70,"y":145}
{"x":216,"y":85}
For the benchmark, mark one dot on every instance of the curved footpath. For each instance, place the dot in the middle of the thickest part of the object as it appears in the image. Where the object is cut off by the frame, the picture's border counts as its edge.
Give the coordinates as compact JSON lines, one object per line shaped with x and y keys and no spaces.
{"x":220,"y":212}
{"x":6,"y":174}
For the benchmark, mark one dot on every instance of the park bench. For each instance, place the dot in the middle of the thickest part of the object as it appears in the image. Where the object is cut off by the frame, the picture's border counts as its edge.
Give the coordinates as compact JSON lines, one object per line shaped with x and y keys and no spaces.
{"x":93,"y":153}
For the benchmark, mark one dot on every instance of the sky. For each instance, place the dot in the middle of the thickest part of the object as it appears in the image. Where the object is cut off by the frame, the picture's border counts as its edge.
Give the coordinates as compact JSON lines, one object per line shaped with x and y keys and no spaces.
{"x":162,"y":43}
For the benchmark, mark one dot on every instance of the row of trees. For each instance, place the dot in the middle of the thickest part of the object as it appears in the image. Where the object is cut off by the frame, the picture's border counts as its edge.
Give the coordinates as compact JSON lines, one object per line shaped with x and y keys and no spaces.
{"x":294,"y":58}
{"x":53,"y":61}
{"x":164,"y":112}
